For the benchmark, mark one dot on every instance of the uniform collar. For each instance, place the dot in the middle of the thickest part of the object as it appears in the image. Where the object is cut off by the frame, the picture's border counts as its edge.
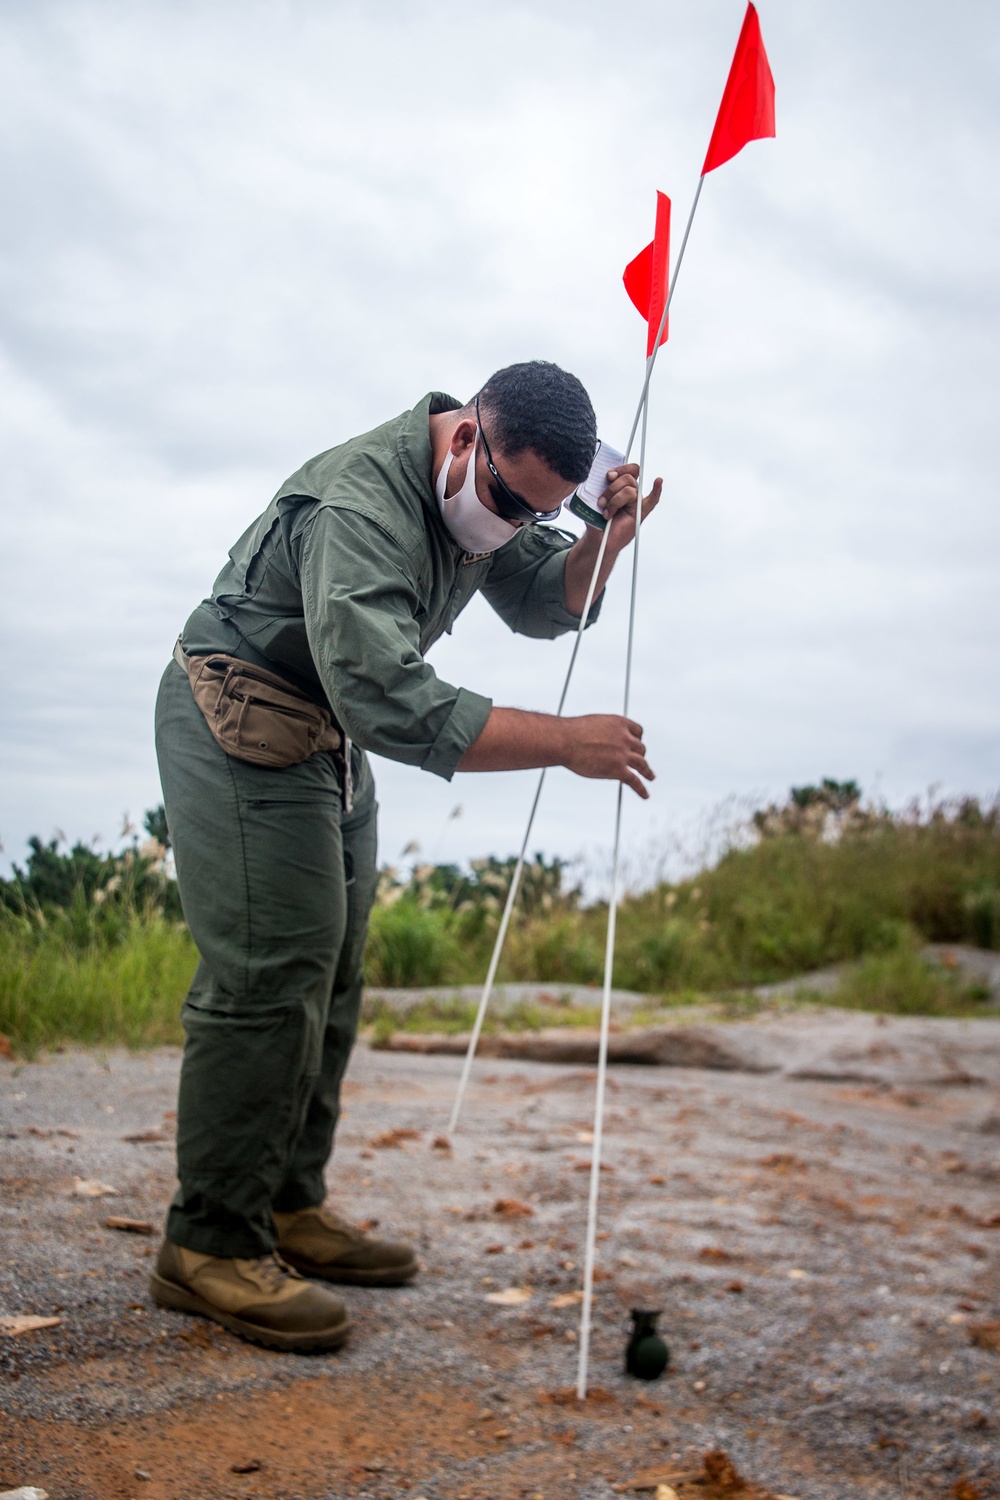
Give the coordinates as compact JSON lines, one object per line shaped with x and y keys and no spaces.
{"x":413,"y":442}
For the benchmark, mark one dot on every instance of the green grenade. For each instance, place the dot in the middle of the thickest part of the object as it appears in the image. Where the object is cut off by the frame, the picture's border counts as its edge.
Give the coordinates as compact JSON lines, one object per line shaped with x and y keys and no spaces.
{"x":646,"y":1355}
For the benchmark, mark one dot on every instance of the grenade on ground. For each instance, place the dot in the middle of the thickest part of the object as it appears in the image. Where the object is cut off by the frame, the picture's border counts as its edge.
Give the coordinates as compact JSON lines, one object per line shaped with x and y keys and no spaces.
{"x":646,"y":1354}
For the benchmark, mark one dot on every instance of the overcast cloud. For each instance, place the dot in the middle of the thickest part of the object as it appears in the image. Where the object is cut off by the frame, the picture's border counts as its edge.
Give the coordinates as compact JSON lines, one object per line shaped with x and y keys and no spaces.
{"x":236,"y":234}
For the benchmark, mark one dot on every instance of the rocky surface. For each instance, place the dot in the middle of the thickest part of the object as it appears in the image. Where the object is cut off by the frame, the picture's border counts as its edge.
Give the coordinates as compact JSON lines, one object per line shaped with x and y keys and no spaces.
{"x":823,"y":1238}
{"x":831,"y":1045}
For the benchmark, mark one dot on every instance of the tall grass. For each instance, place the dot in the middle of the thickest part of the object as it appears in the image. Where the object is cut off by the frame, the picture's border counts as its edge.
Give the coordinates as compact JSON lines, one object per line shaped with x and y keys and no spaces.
{"x":802,"y":886}
{"x":799,"y":889}
{"x":60,"y":983}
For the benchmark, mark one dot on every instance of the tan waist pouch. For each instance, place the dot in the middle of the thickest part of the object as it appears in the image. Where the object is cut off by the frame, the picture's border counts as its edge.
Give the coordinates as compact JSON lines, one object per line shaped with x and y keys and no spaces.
{"x":254,"y":714}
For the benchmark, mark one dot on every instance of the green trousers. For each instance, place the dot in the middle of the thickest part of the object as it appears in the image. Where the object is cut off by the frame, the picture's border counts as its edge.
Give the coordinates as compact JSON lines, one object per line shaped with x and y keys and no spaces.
{"x":277,"y":884}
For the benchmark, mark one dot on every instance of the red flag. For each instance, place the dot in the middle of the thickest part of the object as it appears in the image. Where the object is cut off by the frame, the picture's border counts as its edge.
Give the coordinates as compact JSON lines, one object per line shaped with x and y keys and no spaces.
{"x":747,"y":109}
{"x":647,"y":277}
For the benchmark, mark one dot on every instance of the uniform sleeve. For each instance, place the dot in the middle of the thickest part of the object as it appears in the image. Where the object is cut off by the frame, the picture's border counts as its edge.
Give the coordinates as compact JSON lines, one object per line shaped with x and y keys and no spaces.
{"x":525,"y":584}
{"x":361,"y":610}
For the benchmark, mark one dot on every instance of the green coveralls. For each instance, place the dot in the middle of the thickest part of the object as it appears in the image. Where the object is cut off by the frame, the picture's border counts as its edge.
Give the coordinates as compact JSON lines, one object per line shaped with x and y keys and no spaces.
{"x":341,"y":586}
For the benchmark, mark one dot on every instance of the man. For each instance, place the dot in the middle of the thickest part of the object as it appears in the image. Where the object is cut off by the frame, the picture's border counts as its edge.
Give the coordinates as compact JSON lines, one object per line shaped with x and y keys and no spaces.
{"x":309,"y":652}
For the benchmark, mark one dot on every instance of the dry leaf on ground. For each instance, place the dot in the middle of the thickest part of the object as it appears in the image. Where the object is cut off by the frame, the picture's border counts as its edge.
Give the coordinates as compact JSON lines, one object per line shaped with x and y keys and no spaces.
{"x":985,"y":1335}
{"x":390,"y":1138}
{"x":512,"y":1208}
{"x":26,"y":1323}
{"x":131,"y":1226}
{"x":659,"y":1478}
{"x":511,"y":1296}
{"x":784,"y":1161}
{"x":91,"y":1188}
{"x":566,"y":1299}
{"x":718,"y":1478}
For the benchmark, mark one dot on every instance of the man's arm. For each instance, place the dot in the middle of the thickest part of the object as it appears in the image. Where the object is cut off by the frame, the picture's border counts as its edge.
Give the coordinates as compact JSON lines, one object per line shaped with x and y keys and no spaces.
{"x":538,"y":582}
{"x":360,"y":605}
{"x":607,"y":747}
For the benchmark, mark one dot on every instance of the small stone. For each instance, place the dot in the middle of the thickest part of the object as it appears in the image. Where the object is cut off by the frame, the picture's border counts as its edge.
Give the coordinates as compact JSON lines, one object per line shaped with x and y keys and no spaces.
{"x":248,"y":1466}
{"x":143,"y":1474}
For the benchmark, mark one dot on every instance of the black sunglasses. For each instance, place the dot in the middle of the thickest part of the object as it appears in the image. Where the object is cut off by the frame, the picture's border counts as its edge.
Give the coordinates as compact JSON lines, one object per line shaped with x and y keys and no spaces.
{"x":510,"y":506}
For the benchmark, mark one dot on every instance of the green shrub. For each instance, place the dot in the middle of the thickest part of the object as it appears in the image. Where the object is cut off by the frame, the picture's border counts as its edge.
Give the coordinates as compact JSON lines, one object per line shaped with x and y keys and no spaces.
{"x":982,"y":915}
{"x":409,"y":944}
{"x":899,"y":981}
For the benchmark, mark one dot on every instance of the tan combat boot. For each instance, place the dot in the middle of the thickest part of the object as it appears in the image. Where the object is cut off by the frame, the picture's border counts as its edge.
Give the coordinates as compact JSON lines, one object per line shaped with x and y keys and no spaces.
{"x":320,"y":1243}
{"x":262,"y":1300}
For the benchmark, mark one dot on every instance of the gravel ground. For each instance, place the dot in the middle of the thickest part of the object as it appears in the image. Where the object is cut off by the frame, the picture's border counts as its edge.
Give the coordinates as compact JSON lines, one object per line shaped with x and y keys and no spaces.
{"x":826,"y":1254}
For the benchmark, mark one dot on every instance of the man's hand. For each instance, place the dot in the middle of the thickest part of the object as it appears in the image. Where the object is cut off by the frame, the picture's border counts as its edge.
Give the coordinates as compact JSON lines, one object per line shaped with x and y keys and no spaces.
{"x":607,"y":747}
{"x":619,"y":503}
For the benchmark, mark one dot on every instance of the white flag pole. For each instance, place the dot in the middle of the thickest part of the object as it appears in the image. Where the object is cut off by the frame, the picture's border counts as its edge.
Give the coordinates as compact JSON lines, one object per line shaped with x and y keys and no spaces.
{"x":586,"y":1311}
{"x":640,"y":414}
{"x":491,"y":972}
{"x":609,"y":960}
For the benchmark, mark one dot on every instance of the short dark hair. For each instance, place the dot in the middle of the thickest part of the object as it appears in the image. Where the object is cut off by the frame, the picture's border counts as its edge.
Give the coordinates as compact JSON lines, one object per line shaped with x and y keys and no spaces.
{"x":539,"y":406}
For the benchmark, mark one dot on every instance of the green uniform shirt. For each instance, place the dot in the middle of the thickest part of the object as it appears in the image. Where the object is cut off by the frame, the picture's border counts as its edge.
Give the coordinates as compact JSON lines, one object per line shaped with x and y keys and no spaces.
{"x":350,"y":576}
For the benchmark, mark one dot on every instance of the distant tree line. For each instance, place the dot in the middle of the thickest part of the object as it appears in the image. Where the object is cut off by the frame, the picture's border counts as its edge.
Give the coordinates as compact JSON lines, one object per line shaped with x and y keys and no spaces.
{"x":136,"y":878}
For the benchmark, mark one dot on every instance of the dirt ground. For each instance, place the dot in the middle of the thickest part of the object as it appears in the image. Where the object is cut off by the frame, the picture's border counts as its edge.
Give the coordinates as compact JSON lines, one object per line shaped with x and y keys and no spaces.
{"x":825,"y":1249}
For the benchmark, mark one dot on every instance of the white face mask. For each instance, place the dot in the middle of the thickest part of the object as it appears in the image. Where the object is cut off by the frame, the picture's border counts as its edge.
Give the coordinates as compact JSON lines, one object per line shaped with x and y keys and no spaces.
{"x":473,"y":526}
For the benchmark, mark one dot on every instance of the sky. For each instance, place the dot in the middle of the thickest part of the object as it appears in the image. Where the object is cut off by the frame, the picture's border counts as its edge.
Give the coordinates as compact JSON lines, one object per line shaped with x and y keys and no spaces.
{"x":236,"y":234}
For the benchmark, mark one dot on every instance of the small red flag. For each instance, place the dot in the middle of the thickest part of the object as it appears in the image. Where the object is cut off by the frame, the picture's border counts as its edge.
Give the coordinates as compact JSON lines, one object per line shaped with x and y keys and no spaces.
{"x":747,"y":109}
{"x":647,"y":277}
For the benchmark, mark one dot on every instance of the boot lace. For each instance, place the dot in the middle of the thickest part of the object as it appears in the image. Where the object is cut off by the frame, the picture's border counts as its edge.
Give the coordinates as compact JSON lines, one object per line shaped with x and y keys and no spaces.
{"x":271,"y":1271}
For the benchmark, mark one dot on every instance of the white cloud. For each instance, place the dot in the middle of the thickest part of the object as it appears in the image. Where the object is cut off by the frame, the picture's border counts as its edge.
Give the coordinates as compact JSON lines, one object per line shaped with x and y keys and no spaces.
{"x":235,"y":234}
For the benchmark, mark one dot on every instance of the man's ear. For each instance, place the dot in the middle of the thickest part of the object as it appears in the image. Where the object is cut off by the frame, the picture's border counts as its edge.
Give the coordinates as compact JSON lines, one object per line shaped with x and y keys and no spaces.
{"x":463,"y":437}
